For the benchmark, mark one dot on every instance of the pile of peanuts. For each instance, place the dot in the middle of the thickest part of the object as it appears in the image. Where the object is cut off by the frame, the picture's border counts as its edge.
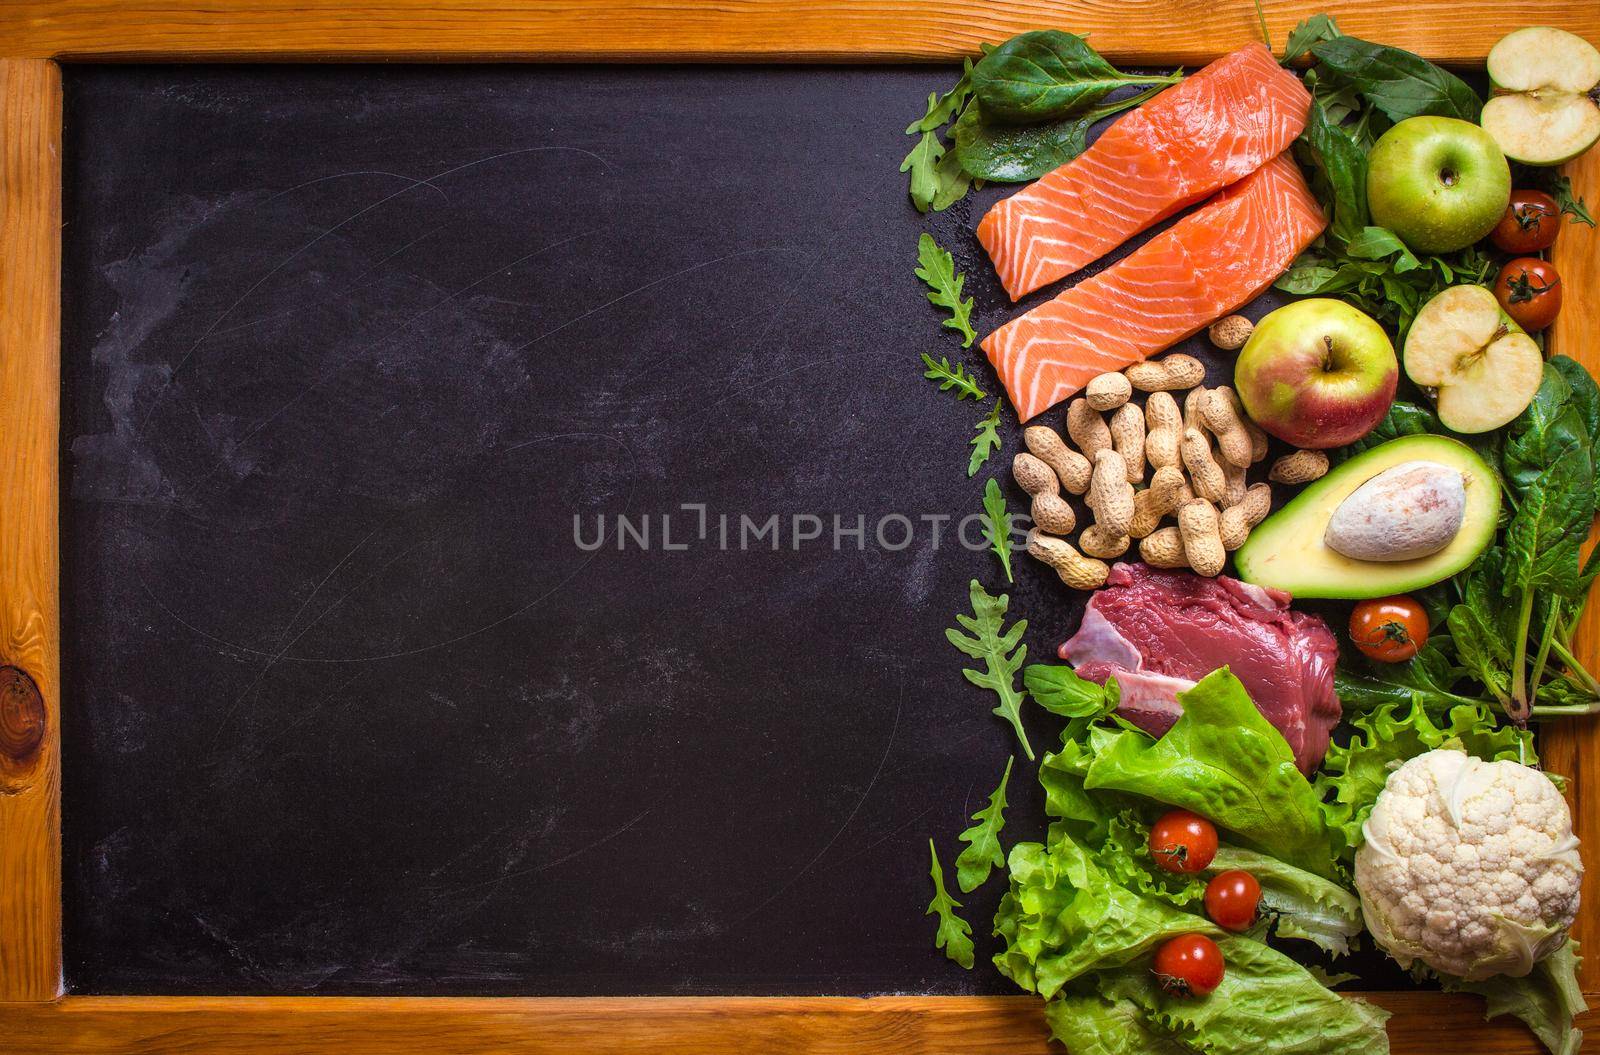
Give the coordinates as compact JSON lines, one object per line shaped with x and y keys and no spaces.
{"x":1198,"y":455}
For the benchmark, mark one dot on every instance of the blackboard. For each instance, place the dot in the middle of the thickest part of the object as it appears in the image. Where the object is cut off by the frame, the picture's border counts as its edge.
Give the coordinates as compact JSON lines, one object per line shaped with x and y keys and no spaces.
{"x":348,"y":707}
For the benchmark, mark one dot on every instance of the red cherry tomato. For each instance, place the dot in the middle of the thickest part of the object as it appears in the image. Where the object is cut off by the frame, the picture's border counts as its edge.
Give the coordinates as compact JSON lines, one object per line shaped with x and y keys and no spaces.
{"x":1182,"y":841}
{"x":1189,"y":965}
{"x":1530,"y":291}
{"x":1389,"y":629}
{"x":1531,"y":223}
{"x":1232,"y":898}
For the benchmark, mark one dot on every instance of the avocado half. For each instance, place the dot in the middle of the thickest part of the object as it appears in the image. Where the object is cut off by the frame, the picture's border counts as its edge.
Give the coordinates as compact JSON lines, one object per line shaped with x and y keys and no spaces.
{"x":1286,"y":551}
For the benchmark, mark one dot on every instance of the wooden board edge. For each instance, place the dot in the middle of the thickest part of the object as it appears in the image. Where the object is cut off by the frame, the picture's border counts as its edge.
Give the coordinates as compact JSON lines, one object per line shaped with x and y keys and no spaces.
{"x":30,"y":635}
{"x":1142,"y":31}
{"x":892,"y":1025}
{"x":1571,"y":746}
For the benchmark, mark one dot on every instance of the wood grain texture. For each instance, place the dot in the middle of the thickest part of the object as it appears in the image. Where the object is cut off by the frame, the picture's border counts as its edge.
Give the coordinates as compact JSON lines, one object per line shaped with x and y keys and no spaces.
{"x":30,"y":633}
{"x":1422,"y":1023}
{"x":860,"y":30}
{"x":1572,"y":747}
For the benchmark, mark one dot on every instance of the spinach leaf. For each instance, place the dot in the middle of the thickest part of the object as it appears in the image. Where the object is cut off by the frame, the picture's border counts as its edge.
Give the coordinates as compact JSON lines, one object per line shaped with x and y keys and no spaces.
{"x":1399,"y":83}
{"x":1001,"y":651}
{"x":954,"y":935}
{"x":1046,"y":74}
{"x":1339,"y":172}
{"x":991,"y":150}
{"x":983,"y":839}
{"x":1404,"y":419}
{"x":1380,"y":243}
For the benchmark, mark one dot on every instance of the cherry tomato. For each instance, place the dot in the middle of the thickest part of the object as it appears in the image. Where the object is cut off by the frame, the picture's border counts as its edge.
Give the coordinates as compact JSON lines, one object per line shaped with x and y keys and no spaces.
{"x":1232,"y":898}
{"x":1182,"y":841}
{"x":1530,"y":291}
{"x":1189,"y":965}
{"x":1531,"y":223}
{"x":1389,"y":629}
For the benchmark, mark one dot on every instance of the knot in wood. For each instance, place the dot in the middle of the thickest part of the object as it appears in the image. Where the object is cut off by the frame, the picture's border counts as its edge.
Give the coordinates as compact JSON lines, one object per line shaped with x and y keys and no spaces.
{"x":22,"y":718}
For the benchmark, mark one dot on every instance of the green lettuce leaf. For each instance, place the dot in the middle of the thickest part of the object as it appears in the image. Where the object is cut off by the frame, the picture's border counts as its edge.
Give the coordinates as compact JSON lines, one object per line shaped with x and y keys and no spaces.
{"x":1224,"y":761}
{"x":1087,"y":1023}
{"x":1266,"y":1003}
{"x":983,"y":839}
{"x":1064,"y":916}
{"x":1302,"y":905}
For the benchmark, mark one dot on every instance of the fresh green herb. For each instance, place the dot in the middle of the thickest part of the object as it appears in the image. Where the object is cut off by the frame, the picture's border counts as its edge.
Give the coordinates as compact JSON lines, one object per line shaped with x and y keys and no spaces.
{"x":954,"y":935}
{"x":993,"y":150}
{"x":1548,"y":999}
{"x":952,"y":377}
{"x":1398,"y":83}
{"x":1060,"y":690}
{"x":937,"y":268}
{"x":943,"y":108}
{"x":986,"y":442}
{"x":983,"y":839}
{"x":1046,"y":74}
{"x":1225,"y":761}
{"x":997,"y":525}
{"x":1313,"y":30}
{"x":1559,"y":187}
{"x":922,"y":162}
{"x":951,"y":182}
{"x":1001,"y":652}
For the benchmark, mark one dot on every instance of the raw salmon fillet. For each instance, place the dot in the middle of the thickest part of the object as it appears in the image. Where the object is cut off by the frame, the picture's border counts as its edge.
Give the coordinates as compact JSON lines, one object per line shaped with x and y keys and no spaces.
{"x":1207,"y":264}
{"x":1218,"y":126}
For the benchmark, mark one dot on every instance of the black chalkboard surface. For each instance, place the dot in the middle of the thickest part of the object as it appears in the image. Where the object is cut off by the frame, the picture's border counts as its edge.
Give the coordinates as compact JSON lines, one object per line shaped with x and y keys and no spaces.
{"x":348,"y":707}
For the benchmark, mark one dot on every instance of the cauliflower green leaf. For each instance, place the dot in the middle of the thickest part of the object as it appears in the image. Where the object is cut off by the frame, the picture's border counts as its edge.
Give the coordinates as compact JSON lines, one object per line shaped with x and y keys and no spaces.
{"x":1548,"y":999}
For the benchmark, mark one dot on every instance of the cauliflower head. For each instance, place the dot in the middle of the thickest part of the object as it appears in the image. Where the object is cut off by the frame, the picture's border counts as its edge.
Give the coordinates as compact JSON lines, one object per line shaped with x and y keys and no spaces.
{"x":1469,"y":866}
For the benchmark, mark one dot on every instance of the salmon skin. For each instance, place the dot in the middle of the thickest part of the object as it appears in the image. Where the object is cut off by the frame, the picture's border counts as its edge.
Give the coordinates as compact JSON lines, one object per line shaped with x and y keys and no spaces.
{"x":1207,"y":264}
{"x":1216,"y":127}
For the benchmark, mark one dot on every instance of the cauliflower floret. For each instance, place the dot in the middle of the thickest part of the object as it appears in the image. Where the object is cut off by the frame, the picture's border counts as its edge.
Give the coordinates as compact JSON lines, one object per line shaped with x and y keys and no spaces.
{"x":1469,"y":866}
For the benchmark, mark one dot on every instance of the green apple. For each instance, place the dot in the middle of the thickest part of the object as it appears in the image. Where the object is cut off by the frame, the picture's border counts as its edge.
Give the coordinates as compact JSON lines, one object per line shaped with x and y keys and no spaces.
{"x":1438,"y":182}
{"x":1546,"y":104}
{"x":1317,"y":373}
{"x":1483,"y":368}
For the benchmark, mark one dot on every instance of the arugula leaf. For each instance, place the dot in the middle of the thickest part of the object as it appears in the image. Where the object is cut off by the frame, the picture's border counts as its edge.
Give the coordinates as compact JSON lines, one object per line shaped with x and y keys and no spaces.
{"x":1046,"y":74}
{"x":951,"y":183}
{"x":1559,"y":187}
{"x":1398,"y":83}
{"x":1000,"y":650}
{"x":954,"y":935}
{"x":937,"y":268}
{"x":1060,"y":690}
{"x":1225,"y":761}
{"x":991,"y":150}
{"x":1302,"y":905}
{"x":1548,"y":999}
{"x":922,"y":162}
{"x":952,"y":377}
{"x":986,"y":442}
{"x":941,"y":108}
{"x":997,"y":526}
{"x":983,"y":839}
{"x":1313,"y":30}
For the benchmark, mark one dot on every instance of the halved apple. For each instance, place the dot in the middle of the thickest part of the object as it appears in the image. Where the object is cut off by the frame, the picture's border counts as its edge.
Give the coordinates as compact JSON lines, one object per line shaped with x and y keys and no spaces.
{"x":1546,"y":104}
{"x":1484,"y":368}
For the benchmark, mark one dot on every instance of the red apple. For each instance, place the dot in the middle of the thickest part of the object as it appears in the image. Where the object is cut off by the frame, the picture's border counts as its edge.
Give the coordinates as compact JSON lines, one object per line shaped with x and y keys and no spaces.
{"x":1317,"y":373}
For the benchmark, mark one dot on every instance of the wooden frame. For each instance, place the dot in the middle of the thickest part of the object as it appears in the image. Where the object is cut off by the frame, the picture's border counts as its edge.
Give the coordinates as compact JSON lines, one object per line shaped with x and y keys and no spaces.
{"x":36,"y":34}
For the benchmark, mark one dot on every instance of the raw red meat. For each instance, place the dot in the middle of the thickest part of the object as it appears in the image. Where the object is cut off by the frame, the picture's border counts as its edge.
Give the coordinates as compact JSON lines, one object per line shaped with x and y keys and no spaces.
{"x":1158,"y":632}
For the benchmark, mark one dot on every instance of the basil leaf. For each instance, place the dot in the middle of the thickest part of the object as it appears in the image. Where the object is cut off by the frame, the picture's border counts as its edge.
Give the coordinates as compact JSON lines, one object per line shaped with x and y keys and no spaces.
{"x":1060,"y":690}
{"x":1398,"y":83}
{"x":1045,"y":74}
